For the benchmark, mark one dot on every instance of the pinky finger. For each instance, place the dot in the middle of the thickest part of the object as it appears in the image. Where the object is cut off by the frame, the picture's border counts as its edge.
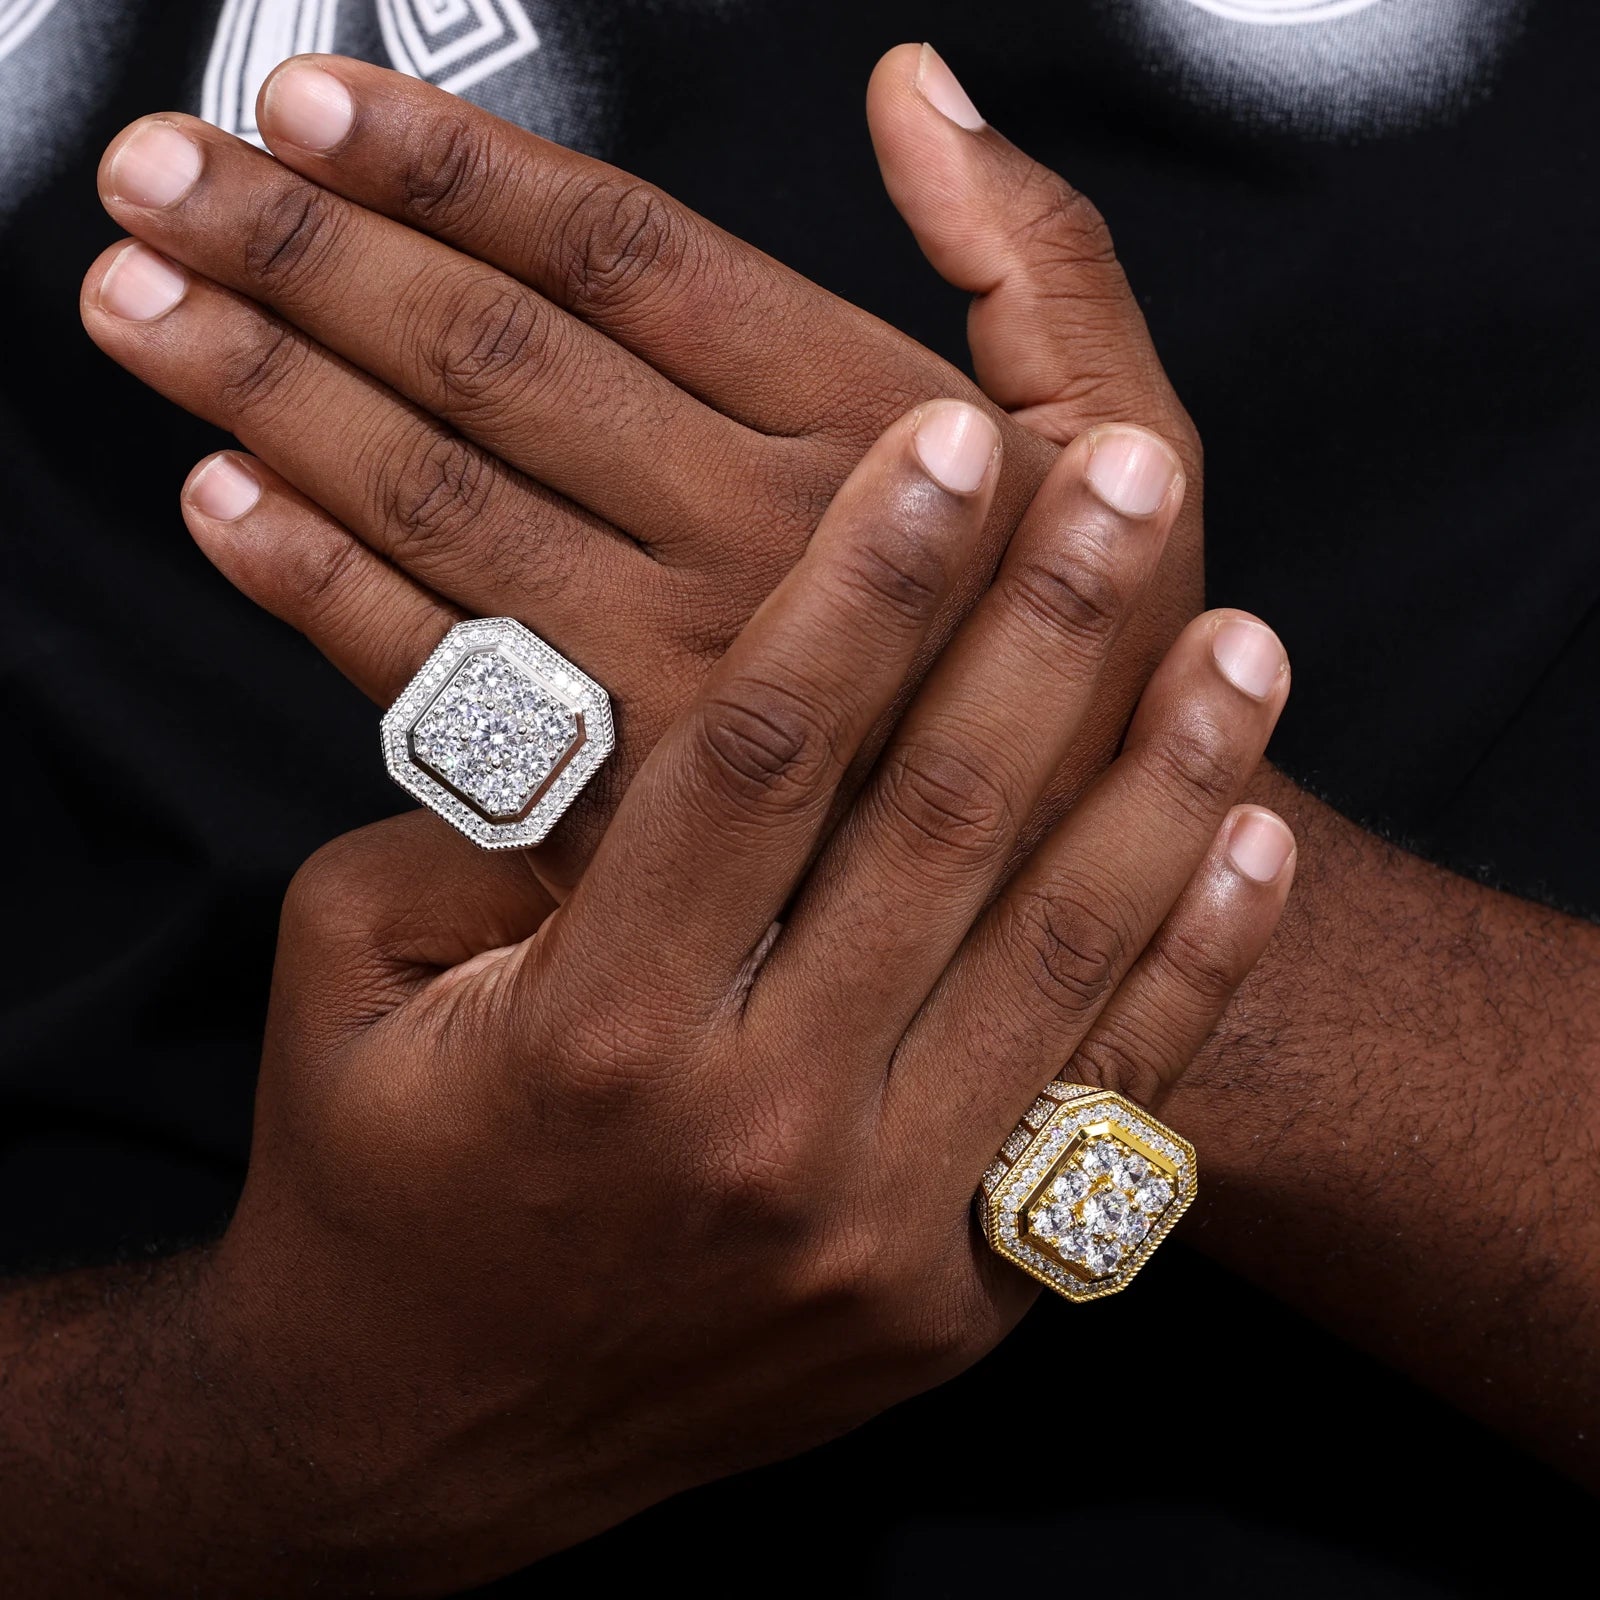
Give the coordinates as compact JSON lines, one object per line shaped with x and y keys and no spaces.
{"x":287,"y":554}
{"x":1164,"y":1010}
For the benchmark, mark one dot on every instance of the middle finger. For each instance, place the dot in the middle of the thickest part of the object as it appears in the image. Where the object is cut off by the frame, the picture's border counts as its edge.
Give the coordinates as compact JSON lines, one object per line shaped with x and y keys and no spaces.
{"x":929,"y":838}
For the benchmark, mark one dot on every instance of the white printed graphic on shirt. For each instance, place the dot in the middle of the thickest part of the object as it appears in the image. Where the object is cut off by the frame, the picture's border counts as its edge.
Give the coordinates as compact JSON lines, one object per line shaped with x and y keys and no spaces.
{"x":453,"y":43}
{"x":1281,"y":12}
{"x":18,"y":18}
{"x":1323,"y":68}
{"x":253,"y":36}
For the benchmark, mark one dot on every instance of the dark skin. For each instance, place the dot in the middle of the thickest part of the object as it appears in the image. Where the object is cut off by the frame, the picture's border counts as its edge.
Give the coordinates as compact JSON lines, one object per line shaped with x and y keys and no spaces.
{"x":1428,"y":1026}
{"x":550,"y":1216}
{"x":1423,"y":1013}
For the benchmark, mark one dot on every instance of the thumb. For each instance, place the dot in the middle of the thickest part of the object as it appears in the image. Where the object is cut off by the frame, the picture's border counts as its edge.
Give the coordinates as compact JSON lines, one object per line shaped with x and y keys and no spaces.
{"x":1057,"y":336}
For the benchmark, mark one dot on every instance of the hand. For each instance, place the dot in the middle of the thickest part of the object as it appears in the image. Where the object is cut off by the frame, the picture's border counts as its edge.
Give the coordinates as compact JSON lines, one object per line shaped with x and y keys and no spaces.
{"x":1398,"y":1109}
{"x":502,"y":378}
{"x":543,"y":1226}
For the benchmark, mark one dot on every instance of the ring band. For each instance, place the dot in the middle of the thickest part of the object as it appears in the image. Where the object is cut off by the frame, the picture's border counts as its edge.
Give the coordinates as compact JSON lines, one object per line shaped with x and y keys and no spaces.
{"x":498,"y":733}
{"x":1084,"y":1190}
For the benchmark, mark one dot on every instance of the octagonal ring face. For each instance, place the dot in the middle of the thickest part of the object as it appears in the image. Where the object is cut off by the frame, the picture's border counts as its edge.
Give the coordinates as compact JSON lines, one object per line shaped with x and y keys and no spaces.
{"x":498,"y":733}
{"x":1084,"y":1190}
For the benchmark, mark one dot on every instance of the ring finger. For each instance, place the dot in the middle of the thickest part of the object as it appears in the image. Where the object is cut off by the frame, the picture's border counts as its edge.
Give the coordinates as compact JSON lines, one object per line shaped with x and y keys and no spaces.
{"x":1036,"y":972}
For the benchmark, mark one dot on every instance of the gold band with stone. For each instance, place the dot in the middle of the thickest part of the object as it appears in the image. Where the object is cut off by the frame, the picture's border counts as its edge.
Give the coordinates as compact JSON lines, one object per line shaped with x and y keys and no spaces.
{"x":1084,"y":1190}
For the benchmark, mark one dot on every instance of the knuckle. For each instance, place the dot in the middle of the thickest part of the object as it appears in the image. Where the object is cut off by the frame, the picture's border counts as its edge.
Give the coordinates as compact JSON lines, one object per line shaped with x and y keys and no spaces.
{"x":252,"y":372}
{"x":446,"y":179}
{"x":761,"y":1174}
{"x":319,"y":571}
{"x":1200,"y":970}
{"x":622,"y":236}
{"x":441,"y":488}
{"x":1073,"y":594}
{"x":491,"y":333}
{"x":325,"y":896}
{"x":903,"y":579}
{"x":1195,"y":767}
{"x":1057,"y":223}
{"x":1121,"y":1063}
{"x":292,"y":236}
{"x":1071,"y":952}
{"x":765,"y":743}
{"x":946,"y":802}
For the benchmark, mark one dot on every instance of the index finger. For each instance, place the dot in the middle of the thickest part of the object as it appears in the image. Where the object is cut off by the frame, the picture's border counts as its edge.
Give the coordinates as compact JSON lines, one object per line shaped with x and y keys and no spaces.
{"x":719,"y":823}
{"x":717,"y":316}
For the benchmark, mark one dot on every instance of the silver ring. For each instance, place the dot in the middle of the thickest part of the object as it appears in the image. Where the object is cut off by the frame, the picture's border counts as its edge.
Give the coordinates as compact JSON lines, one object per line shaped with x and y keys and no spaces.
{"x":498,"y":733}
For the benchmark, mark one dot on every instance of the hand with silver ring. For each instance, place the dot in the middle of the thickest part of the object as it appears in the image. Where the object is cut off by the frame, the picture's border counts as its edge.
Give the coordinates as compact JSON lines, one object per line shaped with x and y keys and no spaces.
{"x":478,"y":375}
{"x":549,"y":1217}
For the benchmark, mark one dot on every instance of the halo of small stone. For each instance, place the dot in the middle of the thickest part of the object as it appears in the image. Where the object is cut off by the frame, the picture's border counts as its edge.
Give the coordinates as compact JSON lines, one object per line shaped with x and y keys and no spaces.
{"x":548,"y":668}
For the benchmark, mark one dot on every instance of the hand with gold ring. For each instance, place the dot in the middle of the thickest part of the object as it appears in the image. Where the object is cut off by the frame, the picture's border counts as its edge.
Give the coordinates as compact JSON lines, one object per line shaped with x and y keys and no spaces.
{"x":551,"y":1216}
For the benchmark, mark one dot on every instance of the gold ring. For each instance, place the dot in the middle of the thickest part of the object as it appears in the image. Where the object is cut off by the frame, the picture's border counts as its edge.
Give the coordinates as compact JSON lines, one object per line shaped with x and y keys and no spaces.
{"x":1084,"y":1190}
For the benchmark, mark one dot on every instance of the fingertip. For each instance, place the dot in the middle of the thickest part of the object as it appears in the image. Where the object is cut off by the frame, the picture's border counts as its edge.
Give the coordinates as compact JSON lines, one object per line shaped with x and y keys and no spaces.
{"x":943,"y":91}
{"x":222,"y":488}
{"x":957,"y":444}
{"x":1260,"y":846}
{"x":1132,"y":470}
{"x":307,"y":104}
{"x":1249,"y":654}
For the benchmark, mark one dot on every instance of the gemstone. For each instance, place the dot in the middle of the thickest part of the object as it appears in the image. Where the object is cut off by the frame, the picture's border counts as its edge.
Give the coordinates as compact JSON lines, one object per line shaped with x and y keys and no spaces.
{"x":1153,"y":1195}
{"x":1052,"y":1221}
{"x":1105,"y":1212}
{"x":495,"y":734}
{"x":1133,"y":1227}
{"x":1098,"y":1158}
{"x":1070,"y":1184}
{"x":1100,"y":1256}
{"x":1129,"y":1169}
{"x":1074,"y":1244}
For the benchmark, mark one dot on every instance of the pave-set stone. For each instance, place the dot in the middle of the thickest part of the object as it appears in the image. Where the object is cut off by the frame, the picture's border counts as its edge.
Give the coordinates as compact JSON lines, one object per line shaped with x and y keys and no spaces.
{"x":497,"y":733}
{"x":1096,"y":1187}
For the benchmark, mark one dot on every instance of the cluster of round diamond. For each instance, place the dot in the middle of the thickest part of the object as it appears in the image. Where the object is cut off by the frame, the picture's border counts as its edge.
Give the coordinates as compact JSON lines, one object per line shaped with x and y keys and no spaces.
{"x":494,"y":734}
{"x":1100,"y":1205}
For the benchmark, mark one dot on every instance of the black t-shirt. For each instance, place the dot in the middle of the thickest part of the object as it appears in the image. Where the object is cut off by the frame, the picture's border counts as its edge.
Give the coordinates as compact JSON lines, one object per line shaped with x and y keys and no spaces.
{"x":1364,"y":234}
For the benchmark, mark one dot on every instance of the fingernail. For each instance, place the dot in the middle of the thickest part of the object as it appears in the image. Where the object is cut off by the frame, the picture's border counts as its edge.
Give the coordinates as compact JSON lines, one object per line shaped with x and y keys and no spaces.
{"x":942,"y":90}
{"x":308,"y":107}
{"x":141,"y":285}
{"x":1131,"y":470}
{"x":224,"y":490}
{"x":1249,"y":656}
{"x":157,"y":166}
{"x":956,"y":444}
{"x":1260,"y":845}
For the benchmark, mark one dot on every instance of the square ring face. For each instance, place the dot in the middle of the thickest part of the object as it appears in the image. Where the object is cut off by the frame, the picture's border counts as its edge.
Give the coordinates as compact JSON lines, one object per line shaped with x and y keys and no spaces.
{"x":1086,"y":1189}
{"x":498,"y":733}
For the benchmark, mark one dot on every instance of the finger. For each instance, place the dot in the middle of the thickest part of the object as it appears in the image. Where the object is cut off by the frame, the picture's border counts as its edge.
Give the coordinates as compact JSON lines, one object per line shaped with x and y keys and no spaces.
{"x":1023,"y":992}
{"x":385,"y":911}
{"x":1165,"y":1009}
{"x":721,"y":820}
{"x":449,"y":514}
{"x":1056,"y":334}
{"x":899,"y":885}
{"x":470,"y":345}
{"x":714,"y":315}
{"x":288,"y":555}
{"x":1055,"y":328}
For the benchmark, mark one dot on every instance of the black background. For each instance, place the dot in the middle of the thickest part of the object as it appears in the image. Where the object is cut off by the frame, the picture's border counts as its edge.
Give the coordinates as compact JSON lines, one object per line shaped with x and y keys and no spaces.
{"x":1390,"y":350}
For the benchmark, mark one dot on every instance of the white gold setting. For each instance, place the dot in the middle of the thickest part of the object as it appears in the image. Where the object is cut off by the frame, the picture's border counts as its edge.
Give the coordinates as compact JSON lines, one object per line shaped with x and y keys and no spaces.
{"x":497,"y":733}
